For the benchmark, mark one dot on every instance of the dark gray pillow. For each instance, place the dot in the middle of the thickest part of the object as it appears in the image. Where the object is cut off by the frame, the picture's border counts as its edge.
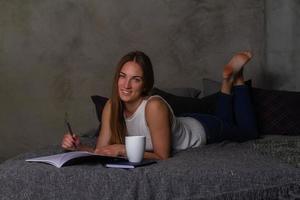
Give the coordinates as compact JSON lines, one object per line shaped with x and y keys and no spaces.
{"x":182,"y":105}
{"x":183,"y":92}
{"x":278,"y":112}
{"x":99,"y":102}
{"x":209,"y":87}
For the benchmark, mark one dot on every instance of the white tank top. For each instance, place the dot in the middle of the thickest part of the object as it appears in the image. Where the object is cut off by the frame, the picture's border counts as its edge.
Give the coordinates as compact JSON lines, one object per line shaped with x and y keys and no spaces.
{"x":187,"y":132}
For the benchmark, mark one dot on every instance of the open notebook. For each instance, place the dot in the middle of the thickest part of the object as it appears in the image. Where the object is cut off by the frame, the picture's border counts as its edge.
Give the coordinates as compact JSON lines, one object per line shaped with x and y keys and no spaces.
{"x":61,"y":159}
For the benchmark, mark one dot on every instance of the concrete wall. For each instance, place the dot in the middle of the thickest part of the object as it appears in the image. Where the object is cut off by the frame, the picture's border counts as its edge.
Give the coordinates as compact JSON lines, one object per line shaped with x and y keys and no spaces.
{"x":55,"y":54}
{"x":282,"y":69}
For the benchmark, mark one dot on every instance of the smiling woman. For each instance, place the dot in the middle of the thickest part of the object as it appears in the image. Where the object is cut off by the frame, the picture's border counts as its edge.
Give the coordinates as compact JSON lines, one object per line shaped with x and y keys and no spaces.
{"x":134,"y":78}
{"x":133,"y":81}
{"x":132,"y":112}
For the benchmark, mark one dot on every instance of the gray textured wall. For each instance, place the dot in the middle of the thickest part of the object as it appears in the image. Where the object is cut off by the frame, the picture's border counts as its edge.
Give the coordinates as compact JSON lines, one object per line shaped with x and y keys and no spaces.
{"x":55,"y":54}
{"x":282,"y":69}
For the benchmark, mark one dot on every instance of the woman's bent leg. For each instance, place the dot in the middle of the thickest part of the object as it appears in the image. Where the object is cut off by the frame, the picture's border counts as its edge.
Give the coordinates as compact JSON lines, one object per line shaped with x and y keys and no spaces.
{"x":224,"y":111}
{"x":224,"y":108}
{"x":244,"y":113}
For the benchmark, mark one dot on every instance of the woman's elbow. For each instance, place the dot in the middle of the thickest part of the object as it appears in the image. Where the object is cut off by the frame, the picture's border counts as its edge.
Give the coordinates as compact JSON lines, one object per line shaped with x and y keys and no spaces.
{"x":163,"y":156}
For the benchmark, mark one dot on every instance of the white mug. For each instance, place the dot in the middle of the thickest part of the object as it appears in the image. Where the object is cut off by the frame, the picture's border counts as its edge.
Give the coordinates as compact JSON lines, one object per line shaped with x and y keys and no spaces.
{"x":135,"y":148}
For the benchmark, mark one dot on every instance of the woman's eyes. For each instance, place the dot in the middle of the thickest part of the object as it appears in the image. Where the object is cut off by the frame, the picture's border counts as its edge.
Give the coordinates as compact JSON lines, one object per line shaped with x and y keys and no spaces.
{"x":136,"y":79}
{"x":121,"y":76}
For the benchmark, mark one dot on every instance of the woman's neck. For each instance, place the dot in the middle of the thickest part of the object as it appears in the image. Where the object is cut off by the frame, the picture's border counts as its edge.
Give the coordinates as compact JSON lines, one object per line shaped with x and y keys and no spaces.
{"x":130,"y":108}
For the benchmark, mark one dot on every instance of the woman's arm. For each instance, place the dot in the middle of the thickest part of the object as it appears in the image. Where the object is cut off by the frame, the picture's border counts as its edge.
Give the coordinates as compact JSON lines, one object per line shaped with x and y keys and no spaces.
{"x":104,"y":146}
{"x":72,"y":142}
{"x":105,"y":131}
{"x":158,"y":120}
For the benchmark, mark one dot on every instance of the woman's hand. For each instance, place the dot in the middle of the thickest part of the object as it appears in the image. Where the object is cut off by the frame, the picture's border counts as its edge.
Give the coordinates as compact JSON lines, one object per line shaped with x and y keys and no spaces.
{"x":70,"y":142}
{"x":111,"y":150}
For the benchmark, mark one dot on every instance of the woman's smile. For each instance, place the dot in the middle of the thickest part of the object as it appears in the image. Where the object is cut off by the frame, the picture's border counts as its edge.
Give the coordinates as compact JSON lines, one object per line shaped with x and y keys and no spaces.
{"x":126,"y":93}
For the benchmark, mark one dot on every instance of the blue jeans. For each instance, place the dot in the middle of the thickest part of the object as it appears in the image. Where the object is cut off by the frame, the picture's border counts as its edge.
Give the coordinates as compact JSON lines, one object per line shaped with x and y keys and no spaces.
{"x":234,"y":118}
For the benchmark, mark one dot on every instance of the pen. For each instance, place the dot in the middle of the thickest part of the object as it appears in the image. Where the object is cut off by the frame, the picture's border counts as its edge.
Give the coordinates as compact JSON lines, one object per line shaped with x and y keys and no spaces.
{"x":72,"y":134}
{"x":69,"y":128}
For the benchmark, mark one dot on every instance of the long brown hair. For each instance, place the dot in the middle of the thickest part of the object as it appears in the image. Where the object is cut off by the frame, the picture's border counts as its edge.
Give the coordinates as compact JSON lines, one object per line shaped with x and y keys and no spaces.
{"x":117,"y":121}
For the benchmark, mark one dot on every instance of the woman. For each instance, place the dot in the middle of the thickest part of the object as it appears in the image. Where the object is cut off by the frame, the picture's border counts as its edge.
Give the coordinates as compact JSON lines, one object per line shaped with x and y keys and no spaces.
{"x":131,"y":111}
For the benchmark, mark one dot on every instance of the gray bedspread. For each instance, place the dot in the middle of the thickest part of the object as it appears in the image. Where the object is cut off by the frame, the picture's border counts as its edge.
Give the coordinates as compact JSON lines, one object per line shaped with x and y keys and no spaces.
{"x":264,"y":169}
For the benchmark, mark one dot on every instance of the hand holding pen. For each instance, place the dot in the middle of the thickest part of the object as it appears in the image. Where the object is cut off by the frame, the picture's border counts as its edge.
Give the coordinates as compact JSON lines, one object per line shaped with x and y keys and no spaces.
{"x":70,"y":140}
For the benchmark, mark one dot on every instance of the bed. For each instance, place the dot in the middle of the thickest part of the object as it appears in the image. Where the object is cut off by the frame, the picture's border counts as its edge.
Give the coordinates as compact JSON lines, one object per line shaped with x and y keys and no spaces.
{"x":266,"y":168}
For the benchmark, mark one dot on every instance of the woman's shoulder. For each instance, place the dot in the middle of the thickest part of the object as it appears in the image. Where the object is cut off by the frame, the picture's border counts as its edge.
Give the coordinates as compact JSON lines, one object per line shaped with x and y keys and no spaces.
{"x":107,"y":105}
{"x":154,"y":102}
{"x":108,"y":102}
{"x":155,"y":99}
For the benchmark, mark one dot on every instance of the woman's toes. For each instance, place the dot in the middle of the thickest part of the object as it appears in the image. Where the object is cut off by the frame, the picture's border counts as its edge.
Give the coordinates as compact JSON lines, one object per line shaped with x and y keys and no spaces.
{"x":248,"y":54}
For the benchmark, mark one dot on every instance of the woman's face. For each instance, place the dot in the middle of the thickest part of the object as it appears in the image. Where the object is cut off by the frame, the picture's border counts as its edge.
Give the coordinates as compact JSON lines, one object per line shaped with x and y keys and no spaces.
{"x":130,"y":82}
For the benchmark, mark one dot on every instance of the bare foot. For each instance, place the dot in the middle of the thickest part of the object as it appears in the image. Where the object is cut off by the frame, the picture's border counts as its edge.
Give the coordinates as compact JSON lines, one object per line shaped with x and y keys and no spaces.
{"x":235,"y":65}
{"x":233,"y":71}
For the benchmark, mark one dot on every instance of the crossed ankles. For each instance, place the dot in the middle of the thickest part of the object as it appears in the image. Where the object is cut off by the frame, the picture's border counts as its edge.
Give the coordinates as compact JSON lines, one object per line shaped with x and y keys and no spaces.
{"x":233,"y":71}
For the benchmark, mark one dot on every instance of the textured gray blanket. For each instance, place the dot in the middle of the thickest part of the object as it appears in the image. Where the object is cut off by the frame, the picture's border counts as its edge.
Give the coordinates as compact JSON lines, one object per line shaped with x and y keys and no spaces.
{"x":252,"y":170}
